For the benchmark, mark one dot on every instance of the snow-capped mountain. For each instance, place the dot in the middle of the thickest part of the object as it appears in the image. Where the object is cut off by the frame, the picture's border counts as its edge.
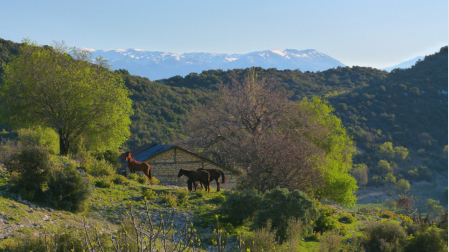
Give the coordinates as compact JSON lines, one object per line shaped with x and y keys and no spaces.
{"x":159,"y":65}
{"x":405,"y":64}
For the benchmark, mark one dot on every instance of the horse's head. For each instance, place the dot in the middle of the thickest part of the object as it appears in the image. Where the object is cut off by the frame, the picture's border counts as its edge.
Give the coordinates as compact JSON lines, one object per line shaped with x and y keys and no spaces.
{"x":128,"y":156}
{"x":180,"y":173}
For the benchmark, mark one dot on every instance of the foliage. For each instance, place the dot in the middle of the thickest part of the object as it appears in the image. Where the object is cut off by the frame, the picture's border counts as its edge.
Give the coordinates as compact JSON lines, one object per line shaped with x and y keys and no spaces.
{"x":262,"y":239}
{"x":380,"y":236}
{"x":149,"y":194}
{"x":47,"y":138}
{"x":142,"y":179}
{"x":360,"y":173}
{"x":402,"y":186}
{"x":132,"y":176}
{"x":31,"y":166}
{"x":431,"y":240}
{"x":327,"y":219}
{"x":275,"y":142}
{"x":99,"y":167}
{"x":330,"y":242}
{"x":183,"y":196}
{"x":103,"y":182}
{"x":347,"y":218}
{"x":62,"y":89}
{"x":169,"y":198}
{"x":119,"y":179}
{"x":387,"y":214}
{"x":242,"y":204}
{"x":154,"y":180}
{"x":383,"y":167}
{"x":68,"y":189}
{"x":279,"y":205}
{"x":386,"y":151}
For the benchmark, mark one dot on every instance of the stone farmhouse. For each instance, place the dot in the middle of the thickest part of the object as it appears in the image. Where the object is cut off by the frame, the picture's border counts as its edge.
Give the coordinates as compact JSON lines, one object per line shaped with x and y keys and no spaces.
{"x":166,"y":160}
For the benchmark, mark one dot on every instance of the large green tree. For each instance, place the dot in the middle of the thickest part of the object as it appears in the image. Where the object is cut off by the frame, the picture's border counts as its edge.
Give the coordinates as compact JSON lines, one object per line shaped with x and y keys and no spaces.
{"x":67,"y":90}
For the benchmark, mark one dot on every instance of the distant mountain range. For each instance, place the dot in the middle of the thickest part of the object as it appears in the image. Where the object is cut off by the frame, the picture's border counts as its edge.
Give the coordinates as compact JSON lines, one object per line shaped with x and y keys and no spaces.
{"x":160,"y":65}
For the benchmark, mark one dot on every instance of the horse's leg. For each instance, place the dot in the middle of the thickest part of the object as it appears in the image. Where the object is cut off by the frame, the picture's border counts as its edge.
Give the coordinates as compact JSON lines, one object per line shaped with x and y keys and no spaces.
{"x":218,"y":184}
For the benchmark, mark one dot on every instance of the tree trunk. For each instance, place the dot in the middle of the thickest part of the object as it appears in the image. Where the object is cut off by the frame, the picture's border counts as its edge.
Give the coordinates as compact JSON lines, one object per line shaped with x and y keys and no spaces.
{"x":63,"y":144}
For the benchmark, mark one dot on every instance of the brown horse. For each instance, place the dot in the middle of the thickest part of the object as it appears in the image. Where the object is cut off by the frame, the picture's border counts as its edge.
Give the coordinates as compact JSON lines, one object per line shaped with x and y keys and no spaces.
{"x":202,"y":176}
{"x":215,"y":175}
{"x":134,"y":165}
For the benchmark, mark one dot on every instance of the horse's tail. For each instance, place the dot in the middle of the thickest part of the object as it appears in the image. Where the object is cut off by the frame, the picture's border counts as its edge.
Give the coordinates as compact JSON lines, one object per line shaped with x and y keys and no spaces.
{"x":149,"y":172}
{"x":223,"y":178}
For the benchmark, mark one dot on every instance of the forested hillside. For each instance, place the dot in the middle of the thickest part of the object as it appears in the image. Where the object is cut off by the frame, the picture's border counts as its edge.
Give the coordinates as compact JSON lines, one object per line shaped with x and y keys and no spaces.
{"x":405,"y":107}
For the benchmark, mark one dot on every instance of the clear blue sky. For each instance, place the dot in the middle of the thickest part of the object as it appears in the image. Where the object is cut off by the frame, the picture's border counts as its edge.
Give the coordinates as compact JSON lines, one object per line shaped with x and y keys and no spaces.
{"x":377,"y":33}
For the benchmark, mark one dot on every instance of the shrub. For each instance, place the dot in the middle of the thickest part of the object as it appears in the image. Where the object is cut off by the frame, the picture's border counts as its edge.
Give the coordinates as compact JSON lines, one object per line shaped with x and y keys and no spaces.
{"x":31,"y":166}
{"x":149,"y":194}
{"x":430,"y":240}
{"x":219,"y":199}
{"x":390,"y":203}
{"x":347,"y":218}
{"x":384,"y":236}
{"x":142,"y":179}
{"x":103,"y":182}
{"x":119,"y":179}
{"x":199,"y":193}
{"x":387,"y":214}
{"x":154,"y":181}
{"x":326,"y":220}
{"x":342,"y":229}
{"x":242,"y":204}
{"x":330,"y":242}
{"x":279,"y":205}
{"x":262,"y":239}
{"x":183,"y":196}
{"x":99,"y":168}
{"x":132,"y":176}
{"x":68,"y":189}
{"x":170,"y":199}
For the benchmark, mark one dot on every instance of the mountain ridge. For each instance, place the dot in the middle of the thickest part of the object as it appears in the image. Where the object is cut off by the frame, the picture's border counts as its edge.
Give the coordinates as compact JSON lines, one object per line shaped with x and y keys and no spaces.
{"x":161,"y":65}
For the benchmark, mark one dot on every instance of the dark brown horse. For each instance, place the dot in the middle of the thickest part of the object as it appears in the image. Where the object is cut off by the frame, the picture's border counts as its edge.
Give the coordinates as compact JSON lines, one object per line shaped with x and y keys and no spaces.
{"x":134,"y":165}
{"x":215,"y":175}
{"x":202,"y":176}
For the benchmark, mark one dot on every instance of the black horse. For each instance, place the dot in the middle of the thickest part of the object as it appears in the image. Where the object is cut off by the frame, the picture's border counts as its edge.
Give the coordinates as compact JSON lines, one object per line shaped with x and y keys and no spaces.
{"x":202,"y":176}
{"x":214,"y":175}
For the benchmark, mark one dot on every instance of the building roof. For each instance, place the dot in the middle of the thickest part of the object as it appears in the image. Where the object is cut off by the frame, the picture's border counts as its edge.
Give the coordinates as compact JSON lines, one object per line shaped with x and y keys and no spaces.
{"x":147,"y":151}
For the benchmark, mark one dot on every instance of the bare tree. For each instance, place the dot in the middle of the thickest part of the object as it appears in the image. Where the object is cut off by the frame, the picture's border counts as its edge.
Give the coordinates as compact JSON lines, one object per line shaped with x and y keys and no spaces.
{"x":406,"y":202}
{"x":252,"y":126}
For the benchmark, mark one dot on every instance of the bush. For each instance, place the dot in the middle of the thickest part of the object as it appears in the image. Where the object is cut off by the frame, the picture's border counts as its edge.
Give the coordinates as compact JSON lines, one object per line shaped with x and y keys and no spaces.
{"x":149,"y":194}
{"x":387,"y":214}
{"x":430,"y":240}
{"x":119,"y":179}
{"x":262,"y":239}
{"x":279,"y":205}
{"x":219,"y":199}
{"x":183,"y":196}
{"x":154,"y":181}
{"x":327,"y":220}
{"x":347,"y":218}
{"x":384,"y":236}
{"x":330,"y":242}
{"x":199,"y":193}
{"x":170,"y":199}
{"x":99,"y":168}
{"x":31,"y":167}
{"x":68,"y":189}
{"x":241,"y":205}
{"x":103,"y":182}
{"x":142,"y":179}
{"x":132,"y":176}
{"x":390,"y":203}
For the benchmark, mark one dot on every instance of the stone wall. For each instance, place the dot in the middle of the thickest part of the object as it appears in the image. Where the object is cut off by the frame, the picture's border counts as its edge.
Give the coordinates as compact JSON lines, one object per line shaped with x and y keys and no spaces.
{"x":166,"y":165}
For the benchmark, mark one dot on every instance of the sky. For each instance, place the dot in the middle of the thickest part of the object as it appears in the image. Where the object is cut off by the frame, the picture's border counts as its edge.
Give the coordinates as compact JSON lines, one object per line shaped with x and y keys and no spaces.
{"x":375,"y":33}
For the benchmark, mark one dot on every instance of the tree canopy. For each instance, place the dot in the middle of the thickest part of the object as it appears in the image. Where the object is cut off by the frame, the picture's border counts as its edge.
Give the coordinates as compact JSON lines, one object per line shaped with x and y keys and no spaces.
{"x":65,"y":89}
{"x":252,"y":126}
